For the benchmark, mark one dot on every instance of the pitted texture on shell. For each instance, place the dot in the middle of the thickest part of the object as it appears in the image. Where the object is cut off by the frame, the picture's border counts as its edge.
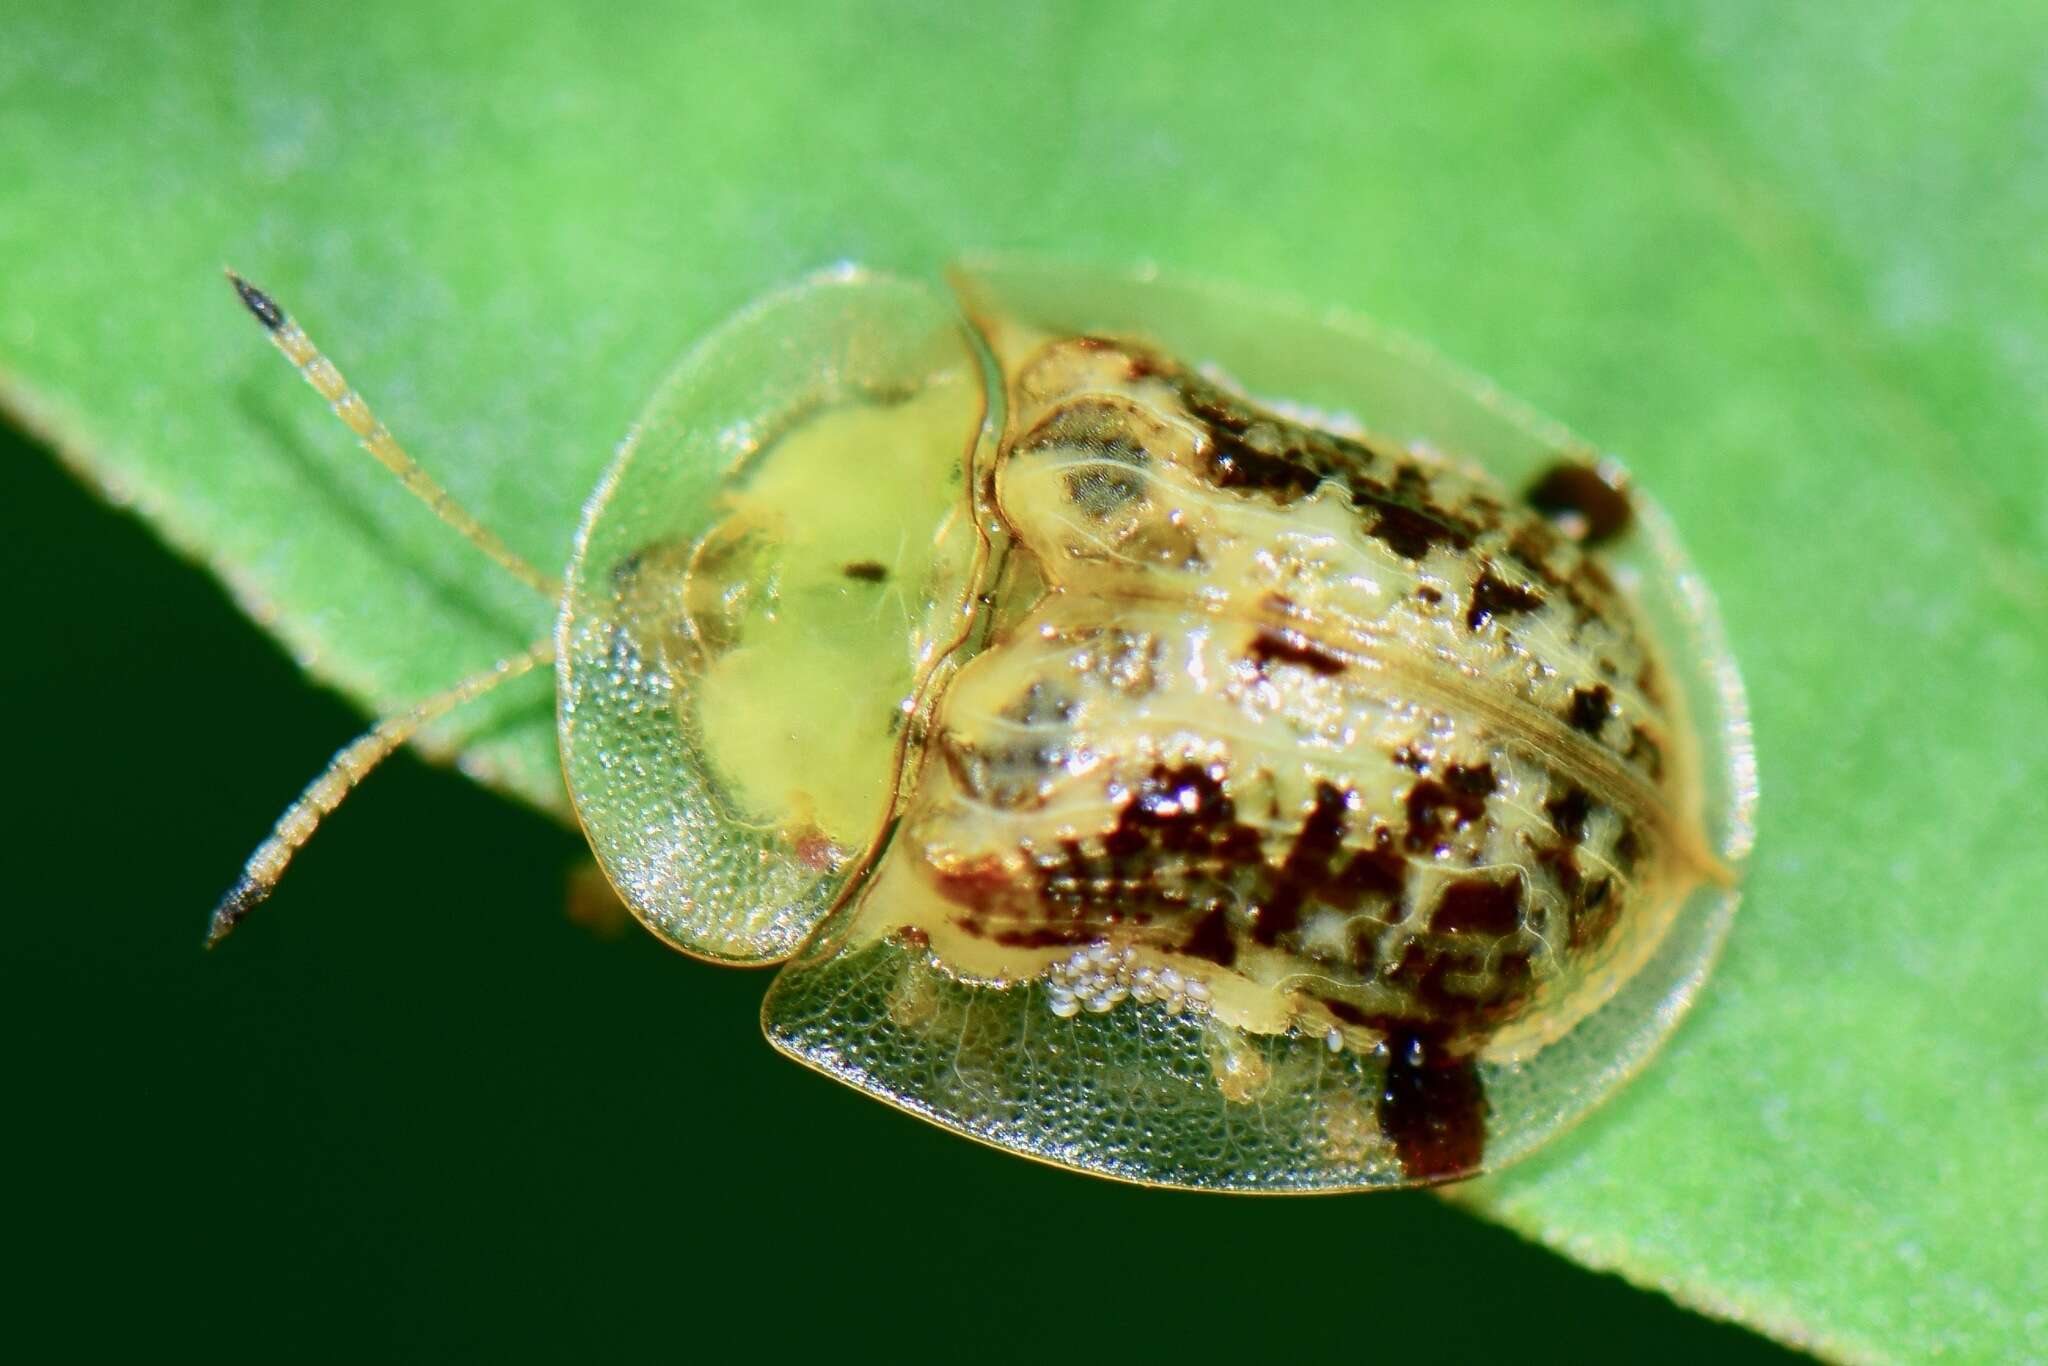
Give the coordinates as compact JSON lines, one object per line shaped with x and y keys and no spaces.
{"x":770,"y":569}
{"x":1131,"y":1093}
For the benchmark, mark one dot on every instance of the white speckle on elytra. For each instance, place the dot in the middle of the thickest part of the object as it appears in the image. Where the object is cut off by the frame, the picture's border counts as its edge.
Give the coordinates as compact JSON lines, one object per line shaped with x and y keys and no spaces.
{"x":1101,"y":977}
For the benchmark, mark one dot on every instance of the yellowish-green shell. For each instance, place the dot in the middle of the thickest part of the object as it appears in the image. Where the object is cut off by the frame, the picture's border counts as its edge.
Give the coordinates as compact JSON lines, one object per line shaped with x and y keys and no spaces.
{"x":1157,"y":727}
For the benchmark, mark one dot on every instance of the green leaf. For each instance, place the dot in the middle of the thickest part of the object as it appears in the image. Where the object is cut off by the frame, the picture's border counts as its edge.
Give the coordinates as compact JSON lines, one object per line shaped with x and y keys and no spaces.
{"x":1785,"y":259}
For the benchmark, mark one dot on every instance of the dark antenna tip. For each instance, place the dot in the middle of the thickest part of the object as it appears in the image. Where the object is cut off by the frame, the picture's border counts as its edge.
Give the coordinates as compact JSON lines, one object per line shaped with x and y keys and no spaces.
{"x":243,"y":898}
{"x":257,"y":302}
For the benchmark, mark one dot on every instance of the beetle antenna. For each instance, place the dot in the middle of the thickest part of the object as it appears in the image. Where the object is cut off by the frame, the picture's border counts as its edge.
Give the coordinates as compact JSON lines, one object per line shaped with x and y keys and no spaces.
{"x":376,"y":438}
{"x":343,"y":772}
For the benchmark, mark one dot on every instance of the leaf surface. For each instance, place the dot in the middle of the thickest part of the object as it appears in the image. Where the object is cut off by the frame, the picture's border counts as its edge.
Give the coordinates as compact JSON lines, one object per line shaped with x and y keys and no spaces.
{"x":1786,"y":260}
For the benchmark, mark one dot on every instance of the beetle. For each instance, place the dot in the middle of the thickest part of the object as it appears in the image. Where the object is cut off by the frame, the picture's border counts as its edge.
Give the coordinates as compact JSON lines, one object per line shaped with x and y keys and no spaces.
{"x":1160,"y":731}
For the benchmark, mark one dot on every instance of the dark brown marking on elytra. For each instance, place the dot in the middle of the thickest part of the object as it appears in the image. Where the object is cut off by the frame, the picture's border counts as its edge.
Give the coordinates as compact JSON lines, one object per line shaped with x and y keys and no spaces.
{"x":1065,"y":882}
{"x":867,"y":571}
{"x":1593,"y":915}
{"x":1644,"y":751}
{"x":1628,"y":848}
{"x":1182,"y":810}
{"x":1473,"y":781}
{"x":1246,"y":450}
{"x":1568,"y":811}
{"x":1362,"y":948}
{"x":1493,"y":596}
{"x":1650,"y":684}
{"x":1560,"y":859}
{"x":1212,"y":405}
{"x":1464,"y":983}
{"x":1461,"y":795}
{"x":1590,"y":708}
{"x":1577,"y":496}
{"x":1411,"y":483}
{"x":1432,"y":1107}
{"x":1376,"y":873}
{"x":1175,"y":855}
{"x":1211,"y":939}
{"x":1180,"y":856}
{"x":1406,"y":529}
{"x":1320,"y":453}
{"x":1249,"y":450}
{"x":1488,"y":511}
{"x":1304,"y":871}
{"x":1292,"y":647}
{"x":1593,"y":573}
{"x":1533,"y":544}
{"x":1510,"y":986}
{"x":1234,"y":463}
{"x":1479,"y":905}
{"x":1183,"y":858}
{"x":1347,"y":1012}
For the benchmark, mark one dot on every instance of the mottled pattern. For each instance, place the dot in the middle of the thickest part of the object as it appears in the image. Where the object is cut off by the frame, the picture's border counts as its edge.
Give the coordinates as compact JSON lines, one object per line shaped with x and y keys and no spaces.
{"x":1143,"y":778}
{"x":1348,"y":723}
{"x":1241,"y":729}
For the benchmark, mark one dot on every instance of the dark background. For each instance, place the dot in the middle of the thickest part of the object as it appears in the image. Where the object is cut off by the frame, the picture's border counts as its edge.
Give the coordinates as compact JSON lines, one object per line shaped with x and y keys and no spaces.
{"x":413,"y":1108}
